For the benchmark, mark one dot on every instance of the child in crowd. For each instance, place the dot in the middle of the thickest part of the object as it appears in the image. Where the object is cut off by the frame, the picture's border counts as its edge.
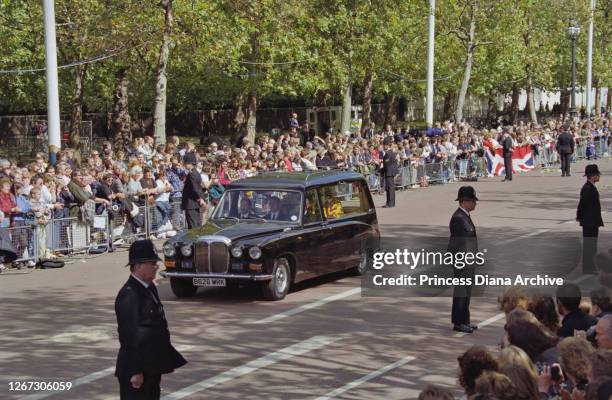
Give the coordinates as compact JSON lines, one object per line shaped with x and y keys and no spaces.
{"x":22,"y":233}
{"x":590,"y":149}
{"x":39,"y":216}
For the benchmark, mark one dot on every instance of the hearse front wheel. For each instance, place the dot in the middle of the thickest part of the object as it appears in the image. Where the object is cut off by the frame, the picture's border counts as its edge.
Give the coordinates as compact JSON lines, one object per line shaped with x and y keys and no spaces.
{"x":182,"y":287}
{"x":278,"y":287}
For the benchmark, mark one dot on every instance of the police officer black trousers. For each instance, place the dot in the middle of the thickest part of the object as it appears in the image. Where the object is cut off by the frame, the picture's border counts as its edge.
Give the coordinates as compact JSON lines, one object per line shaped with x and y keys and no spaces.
{"x":589,"y":248}
{"x":390,"y":189}
{"x":566,"y":161}
{"x":508,"y":166}
{"x":193,"y":218}
{"x":150,"y":389}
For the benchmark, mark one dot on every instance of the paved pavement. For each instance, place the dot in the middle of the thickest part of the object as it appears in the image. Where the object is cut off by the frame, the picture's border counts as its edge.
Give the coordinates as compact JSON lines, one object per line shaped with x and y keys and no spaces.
{"x":323,"y":341}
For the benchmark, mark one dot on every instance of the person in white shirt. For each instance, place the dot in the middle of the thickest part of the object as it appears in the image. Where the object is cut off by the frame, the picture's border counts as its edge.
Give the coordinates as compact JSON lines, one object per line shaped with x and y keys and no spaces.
{"x":162,"y":200}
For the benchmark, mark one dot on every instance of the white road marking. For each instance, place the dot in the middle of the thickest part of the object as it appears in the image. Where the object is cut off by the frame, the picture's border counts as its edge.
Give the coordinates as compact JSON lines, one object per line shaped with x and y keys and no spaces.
{"x":483,"y":323}
{"x":527,"y":235}
{"x":94,"y":376}
{"x":294,"y":350}
{"x":309,"y":306}
{"x":368,"y":377}
{"x":84,"y":334}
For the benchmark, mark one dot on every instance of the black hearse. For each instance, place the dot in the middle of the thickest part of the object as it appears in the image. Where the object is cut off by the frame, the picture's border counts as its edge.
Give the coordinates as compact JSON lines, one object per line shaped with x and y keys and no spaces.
{"x":276,"y":229}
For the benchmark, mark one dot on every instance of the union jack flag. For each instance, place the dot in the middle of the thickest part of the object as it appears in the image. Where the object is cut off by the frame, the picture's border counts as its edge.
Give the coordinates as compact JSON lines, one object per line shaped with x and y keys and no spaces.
{"x":522,"y":160}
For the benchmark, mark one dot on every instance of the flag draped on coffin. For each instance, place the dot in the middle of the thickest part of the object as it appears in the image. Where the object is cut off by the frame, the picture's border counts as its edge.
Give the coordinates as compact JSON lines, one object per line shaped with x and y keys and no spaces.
{"x":522,"y":160}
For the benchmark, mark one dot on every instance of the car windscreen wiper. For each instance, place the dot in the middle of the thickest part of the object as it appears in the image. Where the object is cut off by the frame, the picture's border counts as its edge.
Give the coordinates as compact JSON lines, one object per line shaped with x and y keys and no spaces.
{"x":256,"y":218}
{"x":227,"y":217}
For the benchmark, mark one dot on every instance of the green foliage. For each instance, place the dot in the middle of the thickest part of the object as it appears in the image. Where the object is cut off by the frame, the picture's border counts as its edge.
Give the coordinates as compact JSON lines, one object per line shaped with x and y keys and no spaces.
{"x":295,"y":49}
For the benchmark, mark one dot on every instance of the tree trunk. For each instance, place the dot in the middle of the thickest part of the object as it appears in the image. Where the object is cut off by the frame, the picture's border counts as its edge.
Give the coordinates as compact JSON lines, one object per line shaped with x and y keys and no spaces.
{"x":565,"y":99}
{"x":251,"y":116}
{"x":492,"y":106}
{"x":449,"y":104}
{"x":597,"y":96}
{"x":531,"y":101}
{"x":159,"y":116}
{"x":467,"y":73}
{"x":609,"y":101}
{"x":390,"y":109}
{"x":76,"y":117}
{"x":347,"y":102}
{"x":367,"y":100}
{"x":514,"y":108}
{"x":239,"y":122}
{"x":121,"y":116}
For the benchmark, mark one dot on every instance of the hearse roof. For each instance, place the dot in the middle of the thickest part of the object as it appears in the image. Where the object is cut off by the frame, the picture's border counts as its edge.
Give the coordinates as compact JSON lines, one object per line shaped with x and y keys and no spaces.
{"x":294,"y":180}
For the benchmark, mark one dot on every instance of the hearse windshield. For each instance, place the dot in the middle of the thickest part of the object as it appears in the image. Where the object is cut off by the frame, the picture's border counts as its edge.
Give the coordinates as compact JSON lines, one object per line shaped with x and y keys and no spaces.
{"x":268,"y":205}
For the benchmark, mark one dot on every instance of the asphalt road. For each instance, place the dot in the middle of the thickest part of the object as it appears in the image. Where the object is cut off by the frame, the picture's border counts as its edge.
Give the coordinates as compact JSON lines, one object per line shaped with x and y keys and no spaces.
{"x":323,"y":341}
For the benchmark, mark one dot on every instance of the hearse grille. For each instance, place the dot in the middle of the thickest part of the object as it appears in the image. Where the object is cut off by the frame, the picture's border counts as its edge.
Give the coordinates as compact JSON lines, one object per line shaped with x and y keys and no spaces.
{"x":211,"y":255}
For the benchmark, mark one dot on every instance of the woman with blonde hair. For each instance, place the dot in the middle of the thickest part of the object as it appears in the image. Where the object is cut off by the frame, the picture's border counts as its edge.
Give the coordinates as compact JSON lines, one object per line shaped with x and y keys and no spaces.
{"x":516,"y":365}
{"x":512,"y":298}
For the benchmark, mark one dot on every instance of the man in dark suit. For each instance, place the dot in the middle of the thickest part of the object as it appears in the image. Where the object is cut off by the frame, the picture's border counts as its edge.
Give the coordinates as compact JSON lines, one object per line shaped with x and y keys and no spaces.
{"x":568,"y":304}
{"x":275,"y":213}
{"x":589,"y":216}
{"x":463,"y":239}
{"x":565,"y":148}
{"x":507,"y":152}
{"x":389,"y":170}
{"x":145,"y":351}
{"x":192,"y":201}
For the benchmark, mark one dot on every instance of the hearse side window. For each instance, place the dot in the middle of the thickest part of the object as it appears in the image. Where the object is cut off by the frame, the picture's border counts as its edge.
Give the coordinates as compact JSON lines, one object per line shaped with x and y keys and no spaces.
{"x":344,"y":199}
{"x":312,"y":212}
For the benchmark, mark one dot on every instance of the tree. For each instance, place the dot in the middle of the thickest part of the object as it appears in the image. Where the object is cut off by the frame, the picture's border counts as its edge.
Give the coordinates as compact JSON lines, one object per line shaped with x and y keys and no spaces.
{"x":159,"y":116}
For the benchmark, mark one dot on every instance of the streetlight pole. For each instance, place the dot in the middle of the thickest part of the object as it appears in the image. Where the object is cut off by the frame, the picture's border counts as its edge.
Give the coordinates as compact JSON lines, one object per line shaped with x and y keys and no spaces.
{"x":589,"y":99}
{"x":574,"y":31}
{"x":53,"y":110}
{"x":430,"y":64}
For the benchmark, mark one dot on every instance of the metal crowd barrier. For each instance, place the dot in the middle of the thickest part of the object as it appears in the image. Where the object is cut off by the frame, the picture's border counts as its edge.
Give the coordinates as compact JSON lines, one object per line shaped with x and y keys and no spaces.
{"x":25,"y":242}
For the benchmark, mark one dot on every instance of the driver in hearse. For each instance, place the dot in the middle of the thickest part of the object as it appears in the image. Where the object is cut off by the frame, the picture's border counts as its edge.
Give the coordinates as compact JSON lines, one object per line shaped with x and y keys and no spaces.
{"x":245,"y":209}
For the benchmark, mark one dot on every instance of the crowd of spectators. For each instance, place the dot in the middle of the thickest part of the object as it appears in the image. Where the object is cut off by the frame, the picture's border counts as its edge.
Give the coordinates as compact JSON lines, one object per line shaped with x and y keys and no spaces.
{"x":554,"y":347}
{"x":118,"y":180}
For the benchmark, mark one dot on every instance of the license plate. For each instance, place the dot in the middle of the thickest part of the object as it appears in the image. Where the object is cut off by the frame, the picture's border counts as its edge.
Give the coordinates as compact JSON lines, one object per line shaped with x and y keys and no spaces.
{"x":208,"y":282}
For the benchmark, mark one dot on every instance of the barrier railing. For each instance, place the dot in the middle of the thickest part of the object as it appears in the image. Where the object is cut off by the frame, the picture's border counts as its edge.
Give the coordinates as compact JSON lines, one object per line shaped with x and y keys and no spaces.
{"x":163,"y":219}
{"x":25,"y":239}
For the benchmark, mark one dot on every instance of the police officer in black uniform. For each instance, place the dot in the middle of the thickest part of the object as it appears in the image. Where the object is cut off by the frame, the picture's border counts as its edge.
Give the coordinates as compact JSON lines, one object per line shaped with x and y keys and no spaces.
{"x":389,"y":170}
{"x":565,"y":147}
{"x":192,"y":201}
{"x":463,"y":239}
{"x":507,"y":151}
{"x":145,"y":351}
{"x":589,"y":216}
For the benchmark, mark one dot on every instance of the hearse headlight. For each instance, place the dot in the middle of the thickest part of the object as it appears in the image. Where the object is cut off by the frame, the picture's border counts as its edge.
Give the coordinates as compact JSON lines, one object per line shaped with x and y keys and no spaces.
{"x":169,"y":250}
{"x":255,"y":252}
{"x":186,"y":250}
{"x":236,"y":252}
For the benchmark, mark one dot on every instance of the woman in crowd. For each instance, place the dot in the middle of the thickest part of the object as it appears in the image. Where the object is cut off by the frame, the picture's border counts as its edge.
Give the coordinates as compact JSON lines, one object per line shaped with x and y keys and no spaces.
{"x":472,"y":364}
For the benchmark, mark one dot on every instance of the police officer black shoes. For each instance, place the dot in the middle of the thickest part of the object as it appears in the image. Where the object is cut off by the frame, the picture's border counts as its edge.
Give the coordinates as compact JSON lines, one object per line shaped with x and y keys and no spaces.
{"x":474,"y":327}
{"x":463,"y":328}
